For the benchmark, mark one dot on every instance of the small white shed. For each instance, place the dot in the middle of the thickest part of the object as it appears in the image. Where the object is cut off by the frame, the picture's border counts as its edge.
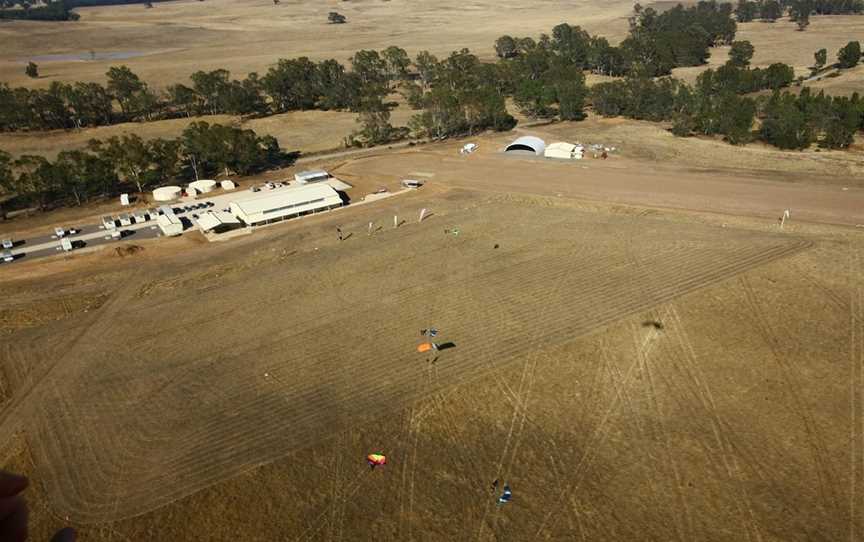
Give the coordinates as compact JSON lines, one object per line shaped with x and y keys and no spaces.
{"x":564,"y":151}
{"x":306,"y":177}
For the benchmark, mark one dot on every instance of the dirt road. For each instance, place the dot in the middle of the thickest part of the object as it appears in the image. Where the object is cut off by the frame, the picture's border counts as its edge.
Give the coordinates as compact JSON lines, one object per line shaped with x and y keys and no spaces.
{"x":619,"y":180}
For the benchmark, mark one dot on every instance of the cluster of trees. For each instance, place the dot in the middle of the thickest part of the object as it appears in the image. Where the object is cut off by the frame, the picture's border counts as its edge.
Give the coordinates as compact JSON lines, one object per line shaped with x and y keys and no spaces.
{"x":656,"y":43}
{"x":104,"y":167}
{"x":795,"y":122}
{"x":715,"y":105}
{"x":737,"y":77}
{"x":799,"y":10}
{"x":49,"y":11}
{"x":292,"y":84}
{"x":849,"y":55}
{"x":458,"y":94}
{"x":787,"y":121}
{"x":54,"y":10}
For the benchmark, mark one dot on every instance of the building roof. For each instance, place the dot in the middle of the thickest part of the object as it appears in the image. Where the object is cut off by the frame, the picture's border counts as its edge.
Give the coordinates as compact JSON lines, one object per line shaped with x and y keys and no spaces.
{"x":295,"y":196}
{"x":167,"y":219}
{"x":313,"y":174}
{"x":527,"y":143}
{"x":213,"y":219}
{"x":561,"y":146}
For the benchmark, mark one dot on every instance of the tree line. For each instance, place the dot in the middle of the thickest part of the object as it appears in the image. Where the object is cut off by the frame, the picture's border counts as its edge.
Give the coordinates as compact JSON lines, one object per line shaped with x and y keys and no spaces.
{"x":771,"y":10}
{"x":292,"y":84}
{"x":716,"y":106}
{"x":656,"y":42}
{"x":106,"y":168}
{"x":49,"y":11}
{"x":54,"y":10}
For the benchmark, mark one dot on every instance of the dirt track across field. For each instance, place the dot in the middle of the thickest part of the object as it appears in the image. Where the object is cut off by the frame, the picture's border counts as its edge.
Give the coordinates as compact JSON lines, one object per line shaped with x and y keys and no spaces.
{"x":625,"y":181}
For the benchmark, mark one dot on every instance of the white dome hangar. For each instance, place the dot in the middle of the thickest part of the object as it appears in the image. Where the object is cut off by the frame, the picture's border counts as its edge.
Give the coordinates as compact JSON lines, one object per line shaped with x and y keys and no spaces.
{"x":527,"y":144}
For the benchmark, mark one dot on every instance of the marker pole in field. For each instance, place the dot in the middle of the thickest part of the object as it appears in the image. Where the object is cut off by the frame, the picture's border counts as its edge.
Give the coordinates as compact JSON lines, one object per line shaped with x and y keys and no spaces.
{"x":422,"y":214}
{"x":395,"y":221}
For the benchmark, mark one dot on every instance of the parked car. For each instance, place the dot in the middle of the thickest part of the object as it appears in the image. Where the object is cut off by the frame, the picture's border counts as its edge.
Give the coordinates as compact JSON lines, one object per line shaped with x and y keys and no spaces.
{"x":7,"y":243}
{"x":6,"y":256}
{"x":59,"y":232}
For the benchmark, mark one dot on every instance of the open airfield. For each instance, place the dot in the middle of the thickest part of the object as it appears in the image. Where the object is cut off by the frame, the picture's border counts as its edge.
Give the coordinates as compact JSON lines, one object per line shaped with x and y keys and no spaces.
{"x":632,"y":371}
{"x":634,"y":345}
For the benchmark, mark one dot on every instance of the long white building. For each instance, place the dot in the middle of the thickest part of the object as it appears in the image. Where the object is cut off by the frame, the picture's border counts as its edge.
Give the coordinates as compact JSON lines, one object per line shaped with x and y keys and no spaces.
{"x":285,"y":204}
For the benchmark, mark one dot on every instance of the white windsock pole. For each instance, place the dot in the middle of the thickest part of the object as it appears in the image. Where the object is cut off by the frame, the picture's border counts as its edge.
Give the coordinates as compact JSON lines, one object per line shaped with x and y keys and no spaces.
{"x":395,"y":221}
{"x":370,"y":227}
{"x":422,"y":214}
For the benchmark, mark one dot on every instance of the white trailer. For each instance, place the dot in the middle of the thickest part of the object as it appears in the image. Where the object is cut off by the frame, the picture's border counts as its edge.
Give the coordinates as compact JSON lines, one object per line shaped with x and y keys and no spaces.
{"x":170,"y":224}
{"x":7,"y":256}
{"x":66,"y":244}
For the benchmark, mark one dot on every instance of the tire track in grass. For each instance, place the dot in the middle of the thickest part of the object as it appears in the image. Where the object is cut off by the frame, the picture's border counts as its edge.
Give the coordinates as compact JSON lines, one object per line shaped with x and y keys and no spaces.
{"x":671,"y":463}
{"x":722,"y":271}
{"x":814,"y":440}
{"x":643,"y":355}
{"x":520,"y":402}
{"x":615,"y":379}
{"x":856,"y":397}
{"x":705,"y":398}
{"x":367,"y":382}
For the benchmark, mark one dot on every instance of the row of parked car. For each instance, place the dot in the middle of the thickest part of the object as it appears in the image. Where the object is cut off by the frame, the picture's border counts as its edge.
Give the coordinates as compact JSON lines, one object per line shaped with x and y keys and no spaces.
{"x":6,"y":253}
{"x":193,"y":207}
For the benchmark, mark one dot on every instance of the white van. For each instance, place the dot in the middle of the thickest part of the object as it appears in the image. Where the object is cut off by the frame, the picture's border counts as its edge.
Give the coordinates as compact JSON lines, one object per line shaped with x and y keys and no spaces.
{"x":66,"y":244}
{"x":7,"y":256}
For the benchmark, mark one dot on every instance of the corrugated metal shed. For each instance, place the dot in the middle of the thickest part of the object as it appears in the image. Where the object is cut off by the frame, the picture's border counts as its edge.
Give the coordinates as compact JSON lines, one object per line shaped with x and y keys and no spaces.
{"x":287,"y":203}
{"x":311,"y":176}
{"x":527,"y":143}
{"x":214,"y":220}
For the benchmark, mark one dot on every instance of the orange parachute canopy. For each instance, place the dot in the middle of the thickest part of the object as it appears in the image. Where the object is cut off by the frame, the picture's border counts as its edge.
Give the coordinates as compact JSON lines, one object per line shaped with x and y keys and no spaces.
{"x":376,"y":459}
{"x":425,"y":347}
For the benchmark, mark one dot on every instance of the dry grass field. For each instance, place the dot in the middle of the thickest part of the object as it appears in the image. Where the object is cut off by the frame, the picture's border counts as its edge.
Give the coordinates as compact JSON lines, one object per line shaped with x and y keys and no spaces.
{"x":230,"y":391}
{"x":179,"y":38}
{"x":637,"y":348}
{"x":782,"y":42}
